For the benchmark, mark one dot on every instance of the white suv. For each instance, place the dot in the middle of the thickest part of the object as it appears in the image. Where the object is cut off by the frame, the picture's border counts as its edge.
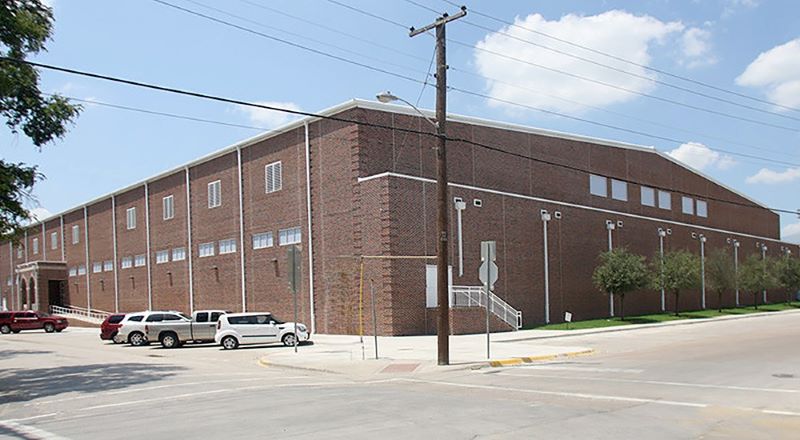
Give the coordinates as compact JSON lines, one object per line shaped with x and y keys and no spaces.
{"x":256,"y":328}
{"x":132,"y":330}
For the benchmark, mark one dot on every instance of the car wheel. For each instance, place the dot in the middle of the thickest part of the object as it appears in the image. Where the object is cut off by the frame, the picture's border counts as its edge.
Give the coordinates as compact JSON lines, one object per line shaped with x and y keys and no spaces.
{"x":288,"y":339}
{"x":230,"y":342}
{"x":136,"y":339}
{"x":49,"y":327}
{"x":5,"y":329}
{"x":169,"y":340}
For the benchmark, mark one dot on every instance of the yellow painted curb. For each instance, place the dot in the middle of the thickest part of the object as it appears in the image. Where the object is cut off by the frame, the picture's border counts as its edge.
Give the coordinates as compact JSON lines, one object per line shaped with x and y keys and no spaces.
{"x":530,"y":359}
{"x":262,"y":363}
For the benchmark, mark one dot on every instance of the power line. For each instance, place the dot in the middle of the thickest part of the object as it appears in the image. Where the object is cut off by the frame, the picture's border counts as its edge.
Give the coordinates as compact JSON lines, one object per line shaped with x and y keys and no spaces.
{"x":363,"y":123}
{"x":610,"y":126}
{"x":627,"y":61}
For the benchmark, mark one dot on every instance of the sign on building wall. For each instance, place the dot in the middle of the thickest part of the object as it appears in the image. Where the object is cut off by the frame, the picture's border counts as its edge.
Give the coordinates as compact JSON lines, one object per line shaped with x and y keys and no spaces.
{"x":430,"y":285}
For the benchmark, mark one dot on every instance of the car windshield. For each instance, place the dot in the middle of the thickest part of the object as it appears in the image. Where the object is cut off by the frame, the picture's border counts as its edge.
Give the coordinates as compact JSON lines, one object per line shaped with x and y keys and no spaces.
{"x":188,"y":318}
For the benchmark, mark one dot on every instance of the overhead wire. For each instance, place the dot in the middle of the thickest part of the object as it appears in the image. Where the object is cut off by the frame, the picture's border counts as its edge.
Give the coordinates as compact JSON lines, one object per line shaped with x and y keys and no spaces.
{"x":206,"y":96}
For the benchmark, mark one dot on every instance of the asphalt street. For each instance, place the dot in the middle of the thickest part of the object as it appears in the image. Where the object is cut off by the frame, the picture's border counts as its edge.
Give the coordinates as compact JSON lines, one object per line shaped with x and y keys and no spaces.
{"x":732,"y":379}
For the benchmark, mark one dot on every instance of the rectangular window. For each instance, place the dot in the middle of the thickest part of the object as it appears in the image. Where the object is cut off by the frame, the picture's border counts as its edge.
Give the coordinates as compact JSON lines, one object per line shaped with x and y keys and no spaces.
{"x":127,"y":262}
{"x":97,"y":267}
{"x":139,"y":261}
{"x":702,"y":209}
{"x":108,"y":265}
{"x":73,"y":272}
{"x":227,"y":246}
{"x":648,"y":196}
{"x":179,"y":254}
{"x":619,"y":190}
{"x":664,"y":200}
{"x":273,"y":177}
{"x":35,"y":245}
{"x":162,"y":257}
{"x":81,"y":269}
{"x":168,"y":205}
{"x":76,"y":234}
{"x":206,"y":249}
{"x":131,"y":216}
{"x":214,"y":194}
{"x":289,"y":236}
{"x":687,"y":204}
{"x":263,"y":240}
{"x":54,"y":240}
{"x":19,"y":252}
{"x":598,"y":185}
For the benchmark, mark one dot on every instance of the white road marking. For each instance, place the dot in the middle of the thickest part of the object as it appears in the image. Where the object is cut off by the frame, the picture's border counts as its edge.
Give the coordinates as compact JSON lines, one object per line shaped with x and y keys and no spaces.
{"x":562,"y":394}
{"x":29,"y":432}
{"x":24,"y":419}
{"x":589,"y":369}
{"x":781,"y":413}
{"x":652,"y":382}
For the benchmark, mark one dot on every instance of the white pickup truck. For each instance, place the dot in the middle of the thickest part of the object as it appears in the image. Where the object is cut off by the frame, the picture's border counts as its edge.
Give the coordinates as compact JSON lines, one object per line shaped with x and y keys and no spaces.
{"x":172,"y":334}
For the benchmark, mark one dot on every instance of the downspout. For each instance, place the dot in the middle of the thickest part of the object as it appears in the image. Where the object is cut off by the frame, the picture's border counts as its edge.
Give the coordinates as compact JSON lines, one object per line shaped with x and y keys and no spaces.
{"x":44,"y":243}
{"x":310,"y":241}
{"x":63,"y":251}
{"x":86,"y":248}
{"x":189,"y":241}
{"x":147,"y":232}
{"x":241,"y":230}
{"x":114,"y":241}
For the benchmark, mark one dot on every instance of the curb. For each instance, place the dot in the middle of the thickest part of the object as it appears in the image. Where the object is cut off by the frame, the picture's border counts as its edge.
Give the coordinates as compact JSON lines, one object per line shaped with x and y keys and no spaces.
{"x":628,"y":328}
{"x":510,"y":362}
{"x":262,"y":362}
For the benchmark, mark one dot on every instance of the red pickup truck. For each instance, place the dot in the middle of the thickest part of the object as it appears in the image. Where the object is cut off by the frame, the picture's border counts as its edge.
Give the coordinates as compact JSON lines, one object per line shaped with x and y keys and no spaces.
{"x":27,"y":320}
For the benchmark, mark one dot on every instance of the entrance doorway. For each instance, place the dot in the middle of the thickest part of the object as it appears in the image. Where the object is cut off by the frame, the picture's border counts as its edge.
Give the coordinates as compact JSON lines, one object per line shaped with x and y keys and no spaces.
{"x":55,"y":292}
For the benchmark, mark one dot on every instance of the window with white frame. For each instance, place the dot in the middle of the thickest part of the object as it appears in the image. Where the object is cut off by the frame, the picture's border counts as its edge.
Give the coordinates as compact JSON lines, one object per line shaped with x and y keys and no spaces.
{"x":619,"y":190}
{"x":19,"y":251}
{"x":648,"y":196}
{"x":35,"y":245}
{"x":289,"y":236}
{"x":108,"y":266}
{"x":214,"y":194}
{"x":73,"y":271}
{"x":139,"y":260}
{"x":97,"y":267}
{"x":263,"y":240}
{"x":273,"y":177}
{"x":664,"y":200}
{"x":127,"y":262}
{"x":687,"y":205}
{"x":54,"y":240}
{"x":81,"y":269}
{"x":76,"y":234}
{"x":179,"y":254}
{"x":598,"y":185}
{"x":162,"y":257}
{"x":702,"y":208}
{"x":168,"y":206}
{"x":227,"y":246}
{"x":206,"y":249}
{"x":131,"y":217}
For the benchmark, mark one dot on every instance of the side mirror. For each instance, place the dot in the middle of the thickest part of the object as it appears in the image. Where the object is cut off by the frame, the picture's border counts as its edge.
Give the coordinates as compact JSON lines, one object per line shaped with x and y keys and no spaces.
{"x":272,"y":322}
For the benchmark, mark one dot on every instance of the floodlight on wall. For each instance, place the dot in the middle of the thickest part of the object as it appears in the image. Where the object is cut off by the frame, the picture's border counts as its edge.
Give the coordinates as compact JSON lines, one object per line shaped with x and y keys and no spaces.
{"x":662,"y":232}
{"x":694,"y":235}
{"x":545,"y":216}
{"x":457,"y":200}
{"x":610,"y":225}
{"x":669,"y":231}
{"x":557,"y":214}
{"x":477,"y":203}
{"x":619,"y":223}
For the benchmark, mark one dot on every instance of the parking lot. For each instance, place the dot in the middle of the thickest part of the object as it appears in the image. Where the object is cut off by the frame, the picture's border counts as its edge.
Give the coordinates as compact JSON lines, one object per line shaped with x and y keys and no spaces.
{"x":734,"y":379}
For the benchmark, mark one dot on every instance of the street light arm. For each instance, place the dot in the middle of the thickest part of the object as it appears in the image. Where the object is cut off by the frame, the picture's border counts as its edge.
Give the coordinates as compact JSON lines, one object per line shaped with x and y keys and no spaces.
{"x":387,"y":97}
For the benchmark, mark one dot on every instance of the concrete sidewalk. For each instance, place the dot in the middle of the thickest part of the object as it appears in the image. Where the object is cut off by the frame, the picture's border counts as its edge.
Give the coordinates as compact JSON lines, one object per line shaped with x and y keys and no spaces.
{"x":411,"y":354}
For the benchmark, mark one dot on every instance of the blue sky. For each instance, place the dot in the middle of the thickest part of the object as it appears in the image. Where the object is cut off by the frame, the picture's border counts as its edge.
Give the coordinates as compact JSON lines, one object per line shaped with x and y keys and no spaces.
{"x":747,"y":46}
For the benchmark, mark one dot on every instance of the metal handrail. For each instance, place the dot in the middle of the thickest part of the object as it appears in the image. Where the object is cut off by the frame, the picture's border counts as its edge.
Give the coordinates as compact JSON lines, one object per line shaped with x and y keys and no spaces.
{"x":86,"y":314}
{"x":475,"y":296}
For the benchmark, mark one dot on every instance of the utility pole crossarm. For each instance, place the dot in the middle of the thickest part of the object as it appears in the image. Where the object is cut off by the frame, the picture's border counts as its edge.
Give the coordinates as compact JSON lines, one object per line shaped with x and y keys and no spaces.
{"x":445,"y":18}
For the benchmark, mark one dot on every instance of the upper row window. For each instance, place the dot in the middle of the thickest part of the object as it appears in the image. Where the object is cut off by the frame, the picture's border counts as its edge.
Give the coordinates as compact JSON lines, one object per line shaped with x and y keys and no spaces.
{"x":76,"y":234}
{"x":273,"y":176}
{"x":598,"y":185}
{"x":168,"y":206}
{"x":214,"y":194}
{"x":131,"y":218}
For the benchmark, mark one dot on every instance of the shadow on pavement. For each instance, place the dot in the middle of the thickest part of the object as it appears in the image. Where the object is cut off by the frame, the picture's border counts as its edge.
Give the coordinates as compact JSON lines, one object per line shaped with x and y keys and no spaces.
{"x":18,"y":385}
{"x":8,"y":354}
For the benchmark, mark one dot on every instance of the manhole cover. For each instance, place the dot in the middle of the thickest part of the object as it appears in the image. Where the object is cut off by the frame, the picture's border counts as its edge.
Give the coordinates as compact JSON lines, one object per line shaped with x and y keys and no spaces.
{"x":784,"y":376}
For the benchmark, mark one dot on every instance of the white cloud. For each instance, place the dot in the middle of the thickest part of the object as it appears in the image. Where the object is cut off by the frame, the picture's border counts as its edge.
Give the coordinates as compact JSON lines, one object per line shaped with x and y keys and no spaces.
{"x":269,"y":118}
{"x":700,"y":157}
{"x":769,"y":177}
{"x":777,"y":73}
{"x":616,"y":32}
{"x":791,"y":232}
{"x":733,"y":6}
{"x":696,"y":48}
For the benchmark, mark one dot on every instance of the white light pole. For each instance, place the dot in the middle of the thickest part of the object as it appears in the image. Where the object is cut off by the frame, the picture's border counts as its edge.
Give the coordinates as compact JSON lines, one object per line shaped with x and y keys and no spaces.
{"x":764,"y":257}
{"x":610,"y":226}
{"x":661,"y":234}
{"x":460,"y":207}
{"x":545,"y":220}
{"x":736,"y":245}
{"x":702,"y":239}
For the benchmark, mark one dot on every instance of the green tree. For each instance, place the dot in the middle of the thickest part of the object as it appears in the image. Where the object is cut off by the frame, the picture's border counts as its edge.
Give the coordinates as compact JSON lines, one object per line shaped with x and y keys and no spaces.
{"x":681,"y":271}
{"x":25,"y":27}
{"x":720,"y":274}
{"x":620,"y":272}
{"x":756,"y":275}
{"x":788,"y":271}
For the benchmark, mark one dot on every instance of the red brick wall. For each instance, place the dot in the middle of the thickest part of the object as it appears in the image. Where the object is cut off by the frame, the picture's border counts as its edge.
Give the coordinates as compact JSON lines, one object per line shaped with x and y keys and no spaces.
{"x":75,"y":255}
{"x":101,"y":249}
{"x":130,"y":243}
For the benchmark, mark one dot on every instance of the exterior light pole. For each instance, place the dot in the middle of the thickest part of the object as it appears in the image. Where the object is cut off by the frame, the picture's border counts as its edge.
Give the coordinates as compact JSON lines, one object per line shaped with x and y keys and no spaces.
{"x":736,"y":245}
{"x":610,"y":226}
{"x":661,"y":234}
{"x":546,"y":218}
{"x":442,"y":282}
{"x":702,"y":239}
{"x":763,"y":248}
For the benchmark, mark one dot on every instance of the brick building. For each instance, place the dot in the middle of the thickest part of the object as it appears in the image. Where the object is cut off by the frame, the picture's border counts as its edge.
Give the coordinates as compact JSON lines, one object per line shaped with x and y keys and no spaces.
{"x":213,"y":233}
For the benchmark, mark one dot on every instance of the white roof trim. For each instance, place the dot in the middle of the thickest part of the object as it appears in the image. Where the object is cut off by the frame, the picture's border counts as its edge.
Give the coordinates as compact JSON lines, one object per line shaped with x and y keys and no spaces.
{"x":391,"y":108}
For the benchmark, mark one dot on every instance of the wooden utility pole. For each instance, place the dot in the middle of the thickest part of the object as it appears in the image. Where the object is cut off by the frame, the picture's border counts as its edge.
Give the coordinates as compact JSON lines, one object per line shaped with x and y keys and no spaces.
{"x":442,"y":272}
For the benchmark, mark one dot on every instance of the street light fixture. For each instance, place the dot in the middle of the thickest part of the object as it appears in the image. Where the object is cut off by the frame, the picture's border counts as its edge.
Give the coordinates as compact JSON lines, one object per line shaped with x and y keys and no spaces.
{"x":388,"y":97}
